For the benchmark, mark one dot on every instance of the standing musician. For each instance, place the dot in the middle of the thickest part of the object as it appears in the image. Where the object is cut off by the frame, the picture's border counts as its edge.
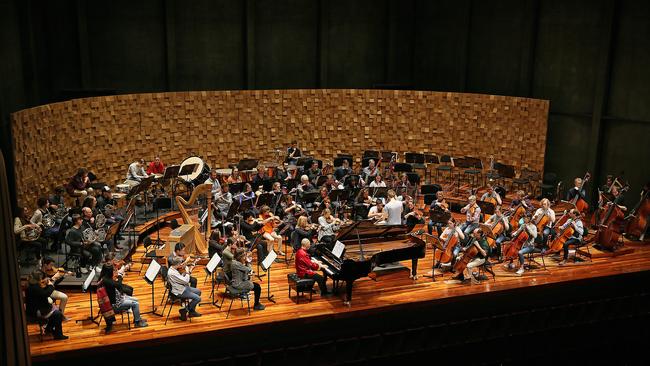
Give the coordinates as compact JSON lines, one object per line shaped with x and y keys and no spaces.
{"x":55,"y":276}
{"x":439,"y":204}
{"x":472,"y":216}
{"x":544,"y":211}
{"x":478,"y":240}
{"x":136,"y":173}
{"x":411,"y":215}
{"x":313,"y":172}
{"x":214,"y":181}
{"x":328,"y":227}
{"x":188,"y":261}
{"x":30,"y":234}
{"x":37,"y":304}
{"x":576,"y":190}
{"x":305,"y":267}
{"x":179,"y":280}
{"x":529,"y":245}
{"x":79,"y":184}
{"x":156,"y":166}
{"x":293,"y":153}
{"x":377,"y":182}
{"x":250,"y":230}
{"x":74,"y":238}
{"x":371,"y":170}
{"x":491,"y":193}
{"x":269,"y":229}
{"x":578,"y":230}
{"x":394,"y":209}
{"x":241,"y":277}
{"x":344,"y":170}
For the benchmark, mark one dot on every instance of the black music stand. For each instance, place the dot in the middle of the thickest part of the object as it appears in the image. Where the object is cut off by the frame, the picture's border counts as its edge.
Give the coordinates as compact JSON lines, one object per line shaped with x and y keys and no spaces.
{"x":265,"y":199}
{"x":266,"y":265}
{"x":381,"y":192}
{"x":111,"y":233}
{"x":320,"y":180}
{"x":435,"y":244}
{"x":136,"y":190}
{"x":338,"y":195}
{"x":158,"y":203}
{"x":309,"y":197}
{"x":210,"y":269}
{"x":85,"y":287}
{"x":187,"y":170}
{"x":235,"y":188}
{"x":303,"y":160}
{"x":171,"y":173}
{"x":150,"y":277}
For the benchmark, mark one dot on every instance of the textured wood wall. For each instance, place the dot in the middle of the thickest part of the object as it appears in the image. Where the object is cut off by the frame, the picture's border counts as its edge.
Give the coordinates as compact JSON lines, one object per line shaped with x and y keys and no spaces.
{"x":105,"y":134}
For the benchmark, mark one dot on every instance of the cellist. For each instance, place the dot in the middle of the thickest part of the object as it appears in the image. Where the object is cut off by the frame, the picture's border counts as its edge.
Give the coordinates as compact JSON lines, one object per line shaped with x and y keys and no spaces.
{"x":491,"y":222}
{"x":492,"y":195}
{"x":451,"y":230}
{"x":545,"y":230}
{"x":578,"y":229}
{"x":529,"y":245}
{"x":472,"y":216}
{"x":578,"y":189}
{"x":477,"y":239}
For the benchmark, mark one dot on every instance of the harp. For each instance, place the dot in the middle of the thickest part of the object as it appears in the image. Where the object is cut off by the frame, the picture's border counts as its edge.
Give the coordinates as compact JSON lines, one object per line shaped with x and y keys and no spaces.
{"x":200,"y":242}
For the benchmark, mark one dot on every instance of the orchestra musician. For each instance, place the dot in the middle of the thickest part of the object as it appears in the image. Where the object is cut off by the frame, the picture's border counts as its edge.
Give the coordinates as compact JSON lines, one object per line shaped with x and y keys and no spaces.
{"x":37,"y":304}
{"x":136,"y":173}
{"x":293,"y":153}
{"x":249,"y":228}
{"x":353,"y":182}
{"x":241,"y":274}
{"x":228,"y":255}
{"x":403,"y":185}
{"x":332,"y":184}
{"x":247,"y":195}
{"x":214,"y":181}
{"x":79,"y":184}
{"x":491,"y":193}
{"x":576,"y":190}
{"x":377,"y":211}
{"x":91,"y":252}
{"x":179,"y":280}
{"x":371,"y":170}
{"x":498,"y":215}
{"x":291,"y":210}
{"x":411,"y":215}
{"x":545,"y":210}
{"x":55,"y":276}
{"x":305,"y":267}
{"x":344,"y":170}
{"x":362,"y":204}
{"x":156,"y":166}
{"x":575,"y":220}
{"x":280,"y":173}
{"x":323,"y":201}
{"x":223,"y":200}
{"x":303,"y":230}
{"x":120,"y":301}
{"x":260,"y":177}
{"x":529,"y":245}
{"x":42,"y":211}
{"x":30,"y":238}
{"x":329,"y":225}
{"x":477,"y":239}
{"x":188,"y":261}
{"x":313,"y":172}
{"x":56,"y":199}
{"x":394,"y":209}
{"x":472,"y":216}
{"x":451,"y":229}
{"x":235,"y":177}
{"x":269,"y":229}
{"x":377,"y":182}
{"x":438,"y":204}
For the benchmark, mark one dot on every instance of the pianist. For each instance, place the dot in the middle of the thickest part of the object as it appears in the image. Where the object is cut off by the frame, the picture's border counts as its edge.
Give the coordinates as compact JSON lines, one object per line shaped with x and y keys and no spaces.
{"x":305,"y":267}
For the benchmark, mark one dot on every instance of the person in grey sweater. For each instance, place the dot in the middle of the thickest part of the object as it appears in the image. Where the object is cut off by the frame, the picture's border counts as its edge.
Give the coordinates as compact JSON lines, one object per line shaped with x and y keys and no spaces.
{"x":241,"y":274}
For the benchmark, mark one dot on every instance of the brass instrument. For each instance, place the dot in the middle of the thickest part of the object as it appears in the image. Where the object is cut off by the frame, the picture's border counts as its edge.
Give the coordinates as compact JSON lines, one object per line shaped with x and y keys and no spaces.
{"x":100,"y":221}
{"x":89,"y":235}
{"x":61,"y":211}
{"x":48,"y":221}
{"x":109,"y":210}
{"x":32,"y":234}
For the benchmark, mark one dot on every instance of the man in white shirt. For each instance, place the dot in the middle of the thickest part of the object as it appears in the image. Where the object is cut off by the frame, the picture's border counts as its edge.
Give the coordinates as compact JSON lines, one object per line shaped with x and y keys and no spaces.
{"x":377,"y":212}
{"x":179,"y":280}
{"x":578,"y":231}
{"x":394,"y":209}
{"x":216,"y":186}
{"x":529,"y":245}
{"x":136,"y":173}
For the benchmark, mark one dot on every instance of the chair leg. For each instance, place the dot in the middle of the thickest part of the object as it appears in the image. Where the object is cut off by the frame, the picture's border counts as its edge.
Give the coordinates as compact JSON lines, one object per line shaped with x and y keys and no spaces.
{"x":171,"y":306}
{"x":230,"y":306}
{"x":163,"y":296}
{"x":248,"y":301}
{"x":128,"y":319}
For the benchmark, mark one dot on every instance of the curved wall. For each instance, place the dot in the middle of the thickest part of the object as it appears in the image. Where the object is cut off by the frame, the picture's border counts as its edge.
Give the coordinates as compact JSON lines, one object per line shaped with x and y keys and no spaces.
{"x":105,"y":134}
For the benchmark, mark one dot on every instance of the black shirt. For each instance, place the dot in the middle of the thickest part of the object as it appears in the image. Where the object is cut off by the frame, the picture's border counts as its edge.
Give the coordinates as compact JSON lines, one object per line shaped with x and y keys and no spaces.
{"x":250,"y":230}
{"x":36,"y":299}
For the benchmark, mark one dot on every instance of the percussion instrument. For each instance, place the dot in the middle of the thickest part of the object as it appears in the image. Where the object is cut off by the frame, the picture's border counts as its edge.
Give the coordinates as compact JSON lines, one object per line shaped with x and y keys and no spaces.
{"x":123,"y":188}
{"x":157,"y":176}
{"x":199,"y":175}
{"x":223,"y":172}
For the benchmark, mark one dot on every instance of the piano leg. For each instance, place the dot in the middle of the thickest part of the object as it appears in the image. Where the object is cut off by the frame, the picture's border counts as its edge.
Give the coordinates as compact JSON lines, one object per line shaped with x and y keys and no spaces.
{"x":414,"y":269}
{"x":348,"y":292}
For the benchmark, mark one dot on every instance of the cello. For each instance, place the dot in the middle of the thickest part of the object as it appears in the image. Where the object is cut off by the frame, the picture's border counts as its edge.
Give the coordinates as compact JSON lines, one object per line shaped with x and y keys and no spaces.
{"x":558,"y":242}
{"x":638,"y":223}
{"x":510,"y":249}
{"x":497,"y":229}
{"x":468,"y":256}
{"x":445,"y":255}
{"x":517,"y":213}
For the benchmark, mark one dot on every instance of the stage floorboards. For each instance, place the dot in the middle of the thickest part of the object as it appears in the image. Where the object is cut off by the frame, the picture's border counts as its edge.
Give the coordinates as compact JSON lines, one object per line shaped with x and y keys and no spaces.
{"x":390,"y":289}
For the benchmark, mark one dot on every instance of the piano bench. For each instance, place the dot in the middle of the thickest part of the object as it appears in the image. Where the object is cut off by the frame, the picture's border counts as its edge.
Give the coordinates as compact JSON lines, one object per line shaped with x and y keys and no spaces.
{"x":300,"y":285}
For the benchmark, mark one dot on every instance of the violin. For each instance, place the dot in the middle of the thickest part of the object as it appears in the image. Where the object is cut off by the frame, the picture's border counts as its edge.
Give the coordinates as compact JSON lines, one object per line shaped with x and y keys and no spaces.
{"x":52,"y":271}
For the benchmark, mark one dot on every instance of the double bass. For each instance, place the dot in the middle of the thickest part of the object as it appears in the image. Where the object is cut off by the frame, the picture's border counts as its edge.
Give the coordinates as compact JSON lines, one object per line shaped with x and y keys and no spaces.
{"x":638,"y":224}
{"x":580,"y":204}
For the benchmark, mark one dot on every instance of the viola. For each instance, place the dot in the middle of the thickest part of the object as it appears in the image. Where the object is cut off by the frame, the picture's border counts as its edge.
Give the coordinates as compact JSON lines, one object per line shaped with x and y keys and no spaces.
{"x":510,"y":249}
{"x":638,"y":223}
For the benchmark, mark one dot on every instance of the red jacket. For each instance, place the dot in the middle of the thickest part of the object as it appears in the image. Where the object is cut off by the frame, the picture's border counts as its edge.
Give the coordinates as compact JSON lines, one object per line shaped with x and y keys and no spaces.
{"x":304,"y":265}
{"x":156,"y":169}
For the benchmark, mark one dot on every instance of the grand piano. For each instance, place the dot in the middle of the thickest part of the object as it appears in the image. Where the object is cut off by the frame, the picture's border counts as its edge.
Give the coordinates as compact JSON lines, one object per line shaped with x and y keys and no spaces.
{"x":359,"y":259}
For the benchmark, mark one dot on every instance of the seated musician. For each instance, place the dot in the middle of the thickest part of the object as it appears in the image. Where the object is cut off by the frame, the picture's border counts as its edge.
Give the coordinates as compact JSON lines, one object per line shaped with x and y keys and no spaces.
{"x":472,"y":216}
{"x":89,"y":223}
{"x":344,"y":170}
{"x":477,"y":239}
{"x":240,"y":269}
{"x":120,"y":301}
{"x":91,"y":203}
{"x":328,"y":227}
{"x":313,"y":172}
{"x":293,"y":153}
{"x":529,"y":245}
{"x":545,"y":210}
{"x":411,"y":215}
{"x":332,"y":183}
{"x":439,"y":204}
{"x":403,"y":185}
{"x":491,"y":222}
{"x":215,"y":243}
{"x":269,"y":231}
{"x":223,"y":201}
{"x":79,"y":184}
{"x":303,"y":230}
{"x":249,"y":229}
{"x":260,"y":177}
{"x":228,"y":255}
{"x":393,"y":209}
{"x":179,"y":280}
{"x":290,"y":210}
{"x":280,"y":173}
{"x":305,"y":267}
{"x":362,"y":204}
{"x":235,"y":177}
{"x":247,"y":195}
{"x":213,"y":180}
{"x":520,"y":197}
{"x":42,"y":211}
{"x":492,"y":194}
{"x":136,"y":173}
{"x":576,"y":191}
{"x":377,"y":211}
{"x":156,"y":166}
{"x":323,"y":199}
{"x":56,"y":199}
{"x":575,"y":220}
{"x":451,"y":229}
{"x":55,"y":277}
{"x":377,"y":182}
{"x":91,"y":253}
{"x":30,"y":238}
{"x":179,"y":252}
{"x":353,"y":181}
{"x":105,"y":199}
{"x":370,"y":171}
{"x":37,"y":304}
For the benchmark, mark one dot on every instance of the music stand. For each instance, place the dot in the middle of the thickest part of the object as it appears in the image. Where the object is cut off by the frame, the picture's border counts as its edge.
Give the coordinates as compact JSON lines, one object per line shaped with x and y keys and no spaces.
{"x":171,"y":173}
{"x":381,"y":192}
{"x":309,"y":197}
{"x":435,"y":244}
{"x":187,"y":170}
{"x":303,"y":160}
{"x":210,"y":269}
{"x":247,"y":164}
{"x":338,"y":195}
{"x":438,"y":215}
{"x":266,"y":265}
{"x":265,"y":199}
{"x":321,"y":180}
{"x":111,"y":233}
{"x":235,"y":188}
{"x":85,"y":286}
{"x":150,"y":277}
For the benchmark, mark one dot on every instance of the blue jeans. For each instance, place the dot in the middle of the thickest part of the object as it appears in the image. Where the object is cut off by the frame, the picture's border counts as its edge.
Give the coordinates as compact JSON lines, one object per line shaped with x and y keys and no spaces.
{"x":565,"y":248}
{"x":194,"y":294}
{"x":437,"y":225}
{"x":467,"y":228}
{"x":524,"y":251}
{"x":132,"y":303}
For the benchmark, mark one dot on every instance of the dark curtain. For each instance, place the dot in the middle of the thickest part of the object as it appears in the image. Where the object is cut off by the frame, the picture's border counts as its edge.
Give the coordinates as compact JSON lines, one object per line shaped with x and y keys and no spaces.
{"x":15,"y":349}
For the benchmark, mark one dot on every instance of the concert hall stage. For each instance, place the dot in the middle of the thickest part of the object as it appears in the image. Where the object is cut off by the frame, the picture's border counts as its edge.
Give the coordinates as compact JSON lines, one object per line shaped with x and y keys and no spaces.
{"x":391,"y":317}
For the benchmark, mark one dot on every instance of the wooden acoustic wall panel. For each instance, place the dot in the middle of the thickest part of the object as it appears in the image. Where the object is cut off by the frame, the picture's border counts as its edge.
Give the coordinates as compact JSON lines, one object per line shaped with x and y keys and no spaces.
{"x":105,"y":134}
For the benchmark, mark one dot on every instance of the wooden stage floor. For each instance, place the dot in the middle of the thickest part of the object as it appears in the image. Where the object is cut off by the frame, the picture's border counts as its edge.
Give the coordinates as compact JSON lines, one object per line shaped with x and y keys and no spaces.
{"x":389,"y":290}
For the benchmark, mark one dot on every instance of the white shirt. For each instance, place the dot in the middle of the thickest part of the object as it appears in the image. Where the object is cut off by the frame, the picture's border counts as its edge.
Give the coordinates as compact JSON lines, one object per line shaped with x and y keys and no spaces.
{"x":374,"y":184}
{"x":373,"y":211}
{"x":216,"y":187}
{"x":394,"y":209}
{"x":178,"y":281}
{"x":538,"y":216}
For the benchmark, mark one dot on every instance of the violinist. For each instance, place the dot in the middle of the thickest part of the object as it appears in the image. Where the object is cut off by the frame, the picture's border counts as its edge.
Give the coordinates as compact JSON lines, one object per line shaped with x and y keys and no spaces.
{"x":54,"y":277}
{"x":529,"y":245}
{"x":250,"y":230}
{"x":362,"y":204}
{"x":120,"y":301}
{"x":544,"y":211}
{"x":577,"y":190}
{"x":304,"y":230}
{"x":575,"y":220}
{"x":332,"y":183}
{"x":499,"y":216}
{"x":492,"y":195}
{"x":323,"y":201}
{"x":478,"y":240}
{"x":370,"y":171}
{"x":179,"y":280}
{"x":269,"y":231}
{"x":439,"y":204}
{"x":472,"y":216}
{"x":313,"y":172}
{"x":187,"y":261}
{"x":37,"y":304}
{"x":344,"y":170}
{"x":328,"y":227}
{"x":412,"y":215}
{"x":377,"y":182}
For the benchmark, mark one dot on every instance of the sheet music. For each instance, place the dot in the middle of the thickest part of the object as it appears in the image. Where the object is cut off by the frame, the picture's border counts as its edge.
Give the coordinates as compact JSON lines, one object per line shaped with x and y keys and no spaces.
{"x":89,"y":280}
{"x":268,"y":261}
{"x":213,"y":263}
{"x":338,"y":249}
{"x":152,"y":271}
